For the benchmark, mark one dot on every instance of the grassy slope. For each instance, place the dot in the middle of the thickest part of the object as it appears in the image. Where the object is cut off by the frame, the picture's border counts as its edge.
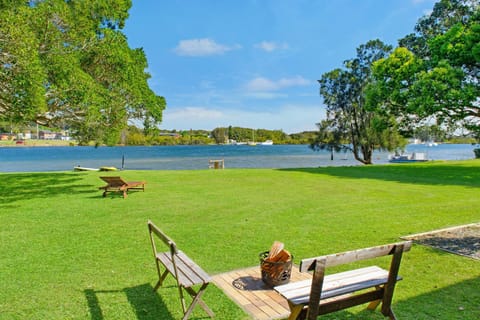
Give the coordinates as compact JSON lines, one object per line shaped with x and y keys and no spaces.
{"x":68,"y":253}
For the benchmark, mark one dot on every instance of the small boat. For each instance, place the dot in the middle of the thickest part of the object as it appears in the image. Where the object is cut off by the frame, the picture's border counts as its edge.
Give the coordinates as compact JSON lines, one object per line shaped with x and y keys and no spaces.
{"x":266,"y":143}
{"x":78,"y":168}
{"x":108,"y":169}
{"x":414,"y":157}
{"x":252,"y":143}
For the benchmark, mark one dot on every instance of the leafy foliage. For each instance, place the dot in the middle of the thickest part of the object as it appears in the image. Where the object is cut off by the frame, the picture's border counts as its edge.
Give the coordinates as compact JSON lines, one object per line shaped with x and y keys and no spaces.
{"x":435,"y":71}
{"x":67,"y":64}
{"x":350,"y":125}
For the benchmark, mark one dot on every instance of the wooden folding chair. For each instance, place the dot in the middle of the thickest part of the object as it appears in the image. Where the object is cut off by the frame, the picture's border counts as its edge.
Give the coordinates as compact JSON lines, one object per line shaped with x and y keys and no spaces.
{"x":186,"y":272}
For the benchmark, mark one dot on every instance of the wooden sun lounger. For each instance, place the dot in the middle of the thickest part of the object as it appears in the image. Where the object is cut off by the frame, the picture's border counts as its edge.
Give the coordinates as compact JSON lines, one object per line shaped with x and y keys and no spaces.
{"x":117,"y":184}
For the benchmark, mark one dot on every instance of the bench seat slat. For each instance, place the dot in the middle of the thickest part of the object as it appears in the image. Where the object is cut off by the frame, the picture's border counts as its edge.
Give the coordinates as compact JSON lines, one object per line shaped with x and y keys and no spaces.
{"x":189,"y":273}
{"x":336,"y":284}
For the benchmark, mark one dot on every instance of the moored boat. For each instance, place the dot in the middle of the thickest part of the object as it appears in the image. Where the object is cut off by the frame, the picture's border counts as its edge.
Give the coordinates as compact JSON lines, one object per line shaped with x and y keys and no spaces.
{"x":266,"y":143}
{"x":78,"y":168}
{"x":414,"y":157}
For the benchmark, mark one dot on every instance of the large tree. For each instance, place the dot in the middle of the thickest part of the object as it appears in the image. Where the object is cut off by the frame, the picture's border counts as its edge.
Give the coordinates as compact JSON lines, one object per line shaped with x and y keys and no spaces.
{"x":349,"y":125}
{"x":435,"y":73}
{"x":68,"y":64}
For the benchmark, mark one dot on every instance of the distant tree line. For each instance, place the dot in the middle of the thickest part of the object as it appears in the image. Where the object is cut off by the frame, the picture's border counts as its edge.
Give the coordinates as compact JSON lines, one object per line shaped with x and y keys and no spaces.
{"x":220,"y":135}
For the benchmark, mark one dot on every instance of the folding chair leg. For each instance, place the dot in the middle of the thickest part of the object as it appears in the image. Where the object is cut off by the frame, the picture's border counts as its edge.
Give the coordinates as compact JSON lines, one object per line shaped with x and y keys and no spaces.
{"x":197,"y":298}
{"x":160,"y":280}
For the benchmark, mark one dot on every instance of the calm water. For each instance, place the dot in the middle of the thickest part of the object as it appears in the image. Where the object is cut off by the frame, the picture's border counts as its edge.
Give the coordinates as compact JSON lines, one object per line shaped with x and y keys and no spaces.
{"x":28,"y":159}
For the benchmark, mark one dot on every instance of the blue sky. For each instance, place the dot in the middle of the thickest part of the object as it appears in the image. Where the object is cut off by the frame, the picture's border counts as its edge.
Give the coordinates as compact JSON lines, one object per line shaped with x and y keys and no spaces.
{"x":255,"y":63}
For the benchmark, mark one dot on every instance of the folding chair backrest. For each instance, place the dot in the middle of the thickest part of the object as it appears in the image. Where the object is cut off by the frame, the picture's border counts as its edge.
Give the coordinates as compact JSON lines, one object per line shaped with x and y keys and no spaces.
{"x":154,"y":230}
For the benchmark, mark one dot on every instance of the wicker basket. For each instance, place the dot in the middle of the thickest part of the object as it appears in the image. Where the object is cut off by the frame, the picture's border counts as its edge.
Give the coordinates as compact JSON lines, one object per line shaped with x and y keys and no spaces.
{"x":275,"y":273}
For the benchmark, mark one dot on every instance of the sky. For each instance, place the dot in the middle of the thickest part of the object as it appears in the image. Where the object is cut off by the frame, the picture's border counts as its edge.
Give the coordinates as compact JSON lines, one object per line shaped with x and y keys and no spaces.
{"x":255,"y":63}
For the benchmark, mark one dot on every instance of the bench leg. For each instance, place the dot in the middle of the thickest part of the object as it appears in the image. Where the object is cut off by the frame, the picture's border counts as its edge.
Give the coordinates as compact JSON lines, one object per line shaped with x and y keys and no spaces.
{"x":390,"y":314}
{"x":295,"y":311}
{"x":374,"y":304}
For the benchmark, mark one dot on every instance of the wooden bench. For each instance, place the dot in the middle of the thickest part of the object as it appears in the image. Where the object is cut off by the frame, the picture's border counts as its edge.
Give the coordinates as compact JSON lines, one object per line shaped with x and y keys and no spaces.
{"x":186,"y":272}
{"x":324,"y":294}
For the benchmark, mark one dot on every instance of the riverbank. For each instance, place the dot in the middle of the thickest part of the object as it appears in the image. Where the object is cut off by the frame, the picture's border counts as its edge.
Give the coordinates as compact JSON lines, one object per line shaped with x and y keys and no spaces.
{"x":37,"y":143}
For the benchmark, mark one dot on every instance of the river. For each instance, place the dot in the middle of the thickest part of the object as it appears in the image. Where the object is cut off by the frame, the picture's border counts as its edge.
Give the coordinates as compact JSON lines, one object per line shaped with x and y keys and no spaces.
{"x":34,"y":159}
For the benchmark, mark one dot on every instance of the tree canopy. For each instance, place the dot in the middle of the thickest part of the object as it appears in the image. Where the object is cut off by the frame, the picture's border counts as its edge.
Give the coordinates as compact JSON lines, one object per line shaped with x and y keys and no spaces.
{"x":434,"y":73}
{"x":67,"y":64}
{"x":349,"y":124}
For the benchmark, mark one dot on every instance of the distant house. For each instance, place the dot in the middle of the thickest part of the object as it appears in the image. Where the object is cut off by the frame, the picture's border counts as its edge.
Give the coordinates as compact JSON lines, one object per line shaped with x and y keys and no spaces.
{"x":4,"y":136}
{"x":47,"y":135}
{"x":24,"y":136}
{"x":169,"y":134}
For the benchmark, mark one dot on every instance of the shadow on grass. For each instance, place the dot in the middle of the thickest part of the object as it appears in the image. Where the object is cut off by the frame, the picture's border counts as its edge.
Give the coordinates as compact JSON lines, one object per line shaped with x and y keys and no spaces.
{"x":458,"y":301}
{"x":21,"y":186}
{"x":428,"y":173}
{"x":144,"y":301}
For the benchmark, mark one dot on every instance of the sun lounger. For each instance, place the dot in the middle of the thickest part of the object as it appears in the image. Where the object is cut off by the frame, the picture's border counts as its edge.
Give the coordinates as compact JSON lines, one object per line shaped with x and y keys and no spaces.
{"x":117,"y":184}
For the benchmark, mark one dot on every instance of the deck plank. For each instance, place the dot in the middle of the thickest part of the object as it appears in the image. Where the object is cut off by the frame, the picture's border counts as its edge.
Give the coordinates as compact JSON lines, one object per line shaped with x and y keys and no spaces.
{"x":246,"y":288}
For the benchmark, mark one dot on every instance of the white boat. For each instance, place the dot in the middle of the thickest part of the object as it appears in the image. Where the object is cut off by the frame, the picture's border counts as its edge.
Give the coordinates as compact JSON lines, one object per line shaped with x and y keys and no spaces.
{"x":266,"y":143}
{"x":78,"y":168}
{"x":414,"y":157}
{"x":252,"y":143}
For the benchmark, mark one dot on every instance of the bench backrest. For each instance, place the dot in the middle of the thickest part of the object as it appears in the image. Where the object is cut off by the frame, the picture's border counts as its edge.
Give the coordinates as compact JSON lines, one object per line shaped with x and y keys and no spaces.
{"x":332,"y":260}
{"x":319,"y":264}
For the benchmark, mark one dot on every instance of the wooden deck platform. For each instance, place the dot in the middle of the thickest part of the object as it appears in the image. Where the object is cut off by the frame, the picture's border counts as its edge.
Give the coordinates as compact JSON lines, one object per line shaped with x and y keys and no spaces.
{"x":247,"y":289}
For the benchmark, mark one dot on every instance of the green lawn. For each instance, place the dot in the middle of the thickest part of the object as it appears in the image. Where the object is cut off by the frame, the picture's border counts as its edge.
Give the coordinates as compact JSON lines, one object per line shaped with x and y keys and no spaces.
{"x":68,"y":253}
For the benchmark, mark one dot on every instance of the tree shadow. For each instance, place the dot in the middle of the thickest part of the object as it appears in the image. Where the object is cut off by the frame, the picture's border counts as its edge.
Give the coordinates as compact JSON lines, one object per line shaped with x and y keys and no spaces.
{"x":458,"y":301}
{"x":21,"y":186}
{"x":425,"y":173}
{"x":144,"y":301}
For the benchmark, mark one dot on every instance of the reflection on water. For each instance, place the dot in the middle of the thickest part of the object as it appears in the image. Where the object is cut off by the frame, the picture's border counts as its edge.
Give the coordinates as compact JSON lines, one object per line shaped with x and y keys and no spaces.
{"x":23,"y":159}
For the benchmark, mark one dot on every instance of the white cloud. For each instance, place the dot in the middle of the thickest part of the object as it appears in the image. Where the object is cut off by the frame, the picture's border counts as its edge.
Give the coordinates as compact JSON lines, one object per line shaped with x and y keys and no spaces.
{"x":202,"y":47}
{"x":289,"y":118}
{"x":190,"y":113}
{"x":261,"y":84}
{"x":270,"y":46}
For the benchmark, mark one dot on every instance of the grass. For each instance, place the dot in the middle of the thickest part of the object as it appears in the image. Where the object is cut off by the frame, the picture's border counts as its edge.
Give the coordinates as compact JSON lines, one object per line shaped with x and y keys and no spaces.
{"x":68,"y":253}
